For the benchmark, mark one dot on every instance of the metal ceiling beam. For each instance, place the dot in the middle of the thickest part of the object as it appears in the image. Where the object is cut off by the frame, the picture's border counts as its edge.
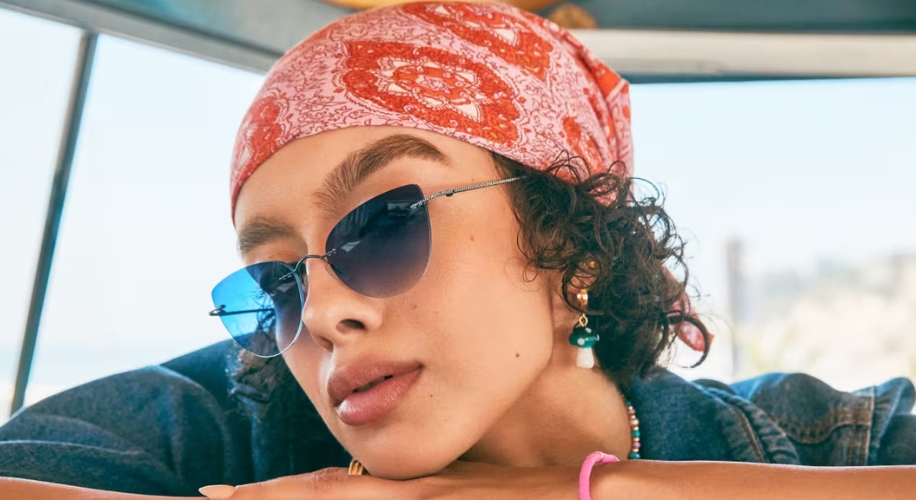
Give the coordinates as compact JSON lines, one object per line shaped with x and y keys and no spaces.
{"x":246,"y":34}
{"x":252,"y":35}
{"x":786,"y":16}
{"x":70,"y":133}
{"x":763,"y":55}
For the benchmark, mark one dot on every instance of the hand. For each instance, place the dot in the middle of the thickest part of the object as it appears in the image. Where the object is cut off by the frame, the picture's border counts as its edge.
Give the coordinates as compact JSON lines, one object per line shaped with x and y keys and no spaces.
{"x":460,"y":480}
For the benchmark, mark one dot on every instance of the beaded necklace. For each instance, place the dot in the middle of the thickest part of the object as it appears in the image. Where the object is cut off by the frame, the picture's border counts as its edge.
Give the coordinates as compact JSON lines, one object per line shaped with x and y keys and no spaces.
{"x":634,"y":431}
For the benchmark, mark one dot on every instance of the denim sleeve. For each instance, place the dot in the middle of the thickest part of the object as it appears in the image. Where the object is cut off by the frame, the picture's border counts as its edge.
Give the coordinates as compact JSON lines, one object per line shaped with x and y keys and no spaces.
{"x":871,"y":426}
{"x":897,"y":444}
{"x":150,"y":431}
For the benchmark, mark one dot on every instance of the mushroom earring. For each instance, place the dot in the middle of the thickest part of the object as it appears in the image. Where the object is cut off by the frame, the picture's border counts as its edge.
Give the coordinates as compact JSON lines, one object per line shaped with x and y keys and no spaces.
{"x":582,"y":336}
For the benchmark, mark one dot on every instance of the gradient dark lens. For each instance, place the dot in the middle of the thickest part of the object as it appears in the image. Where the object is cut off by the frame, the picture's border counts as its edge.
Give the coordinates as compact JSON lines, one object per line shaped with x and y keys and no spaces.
{"x":382,"y":247}
{"x":261,"y":306}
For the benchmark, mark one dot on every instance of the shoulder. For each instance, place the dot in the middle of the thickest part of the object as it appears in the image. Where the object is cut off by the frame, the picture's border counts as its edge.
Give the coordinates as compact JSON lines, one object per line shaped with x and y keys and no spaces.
{"x":774,"y":418}
{"x":192,"y":389}
{"x":704,"y":420}
{"x":826,"y":426}
{"x":148,"y":430}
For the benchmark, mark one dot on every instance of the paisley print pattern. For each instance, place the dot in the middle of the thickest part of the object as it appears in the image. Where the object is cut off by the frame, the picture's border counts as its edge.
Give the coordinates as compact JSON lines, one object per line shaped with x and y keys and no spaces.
{"x":434,"y":86}
{"x":505,"y":36}
{"x":489,"y":74}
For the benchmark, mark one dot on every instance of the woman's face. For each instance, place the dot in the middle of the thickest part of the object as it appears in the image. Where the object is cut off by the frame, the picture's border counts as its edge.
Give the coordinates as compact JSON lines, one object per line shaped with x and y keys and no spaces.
{"x":468,"y":340}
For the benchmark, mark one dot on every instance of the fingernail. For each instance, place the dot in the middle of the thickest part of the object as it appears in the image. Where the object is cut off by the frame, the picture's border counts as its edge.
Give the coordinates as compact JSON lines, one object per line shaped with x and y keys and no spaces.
{"x":217,"y":492}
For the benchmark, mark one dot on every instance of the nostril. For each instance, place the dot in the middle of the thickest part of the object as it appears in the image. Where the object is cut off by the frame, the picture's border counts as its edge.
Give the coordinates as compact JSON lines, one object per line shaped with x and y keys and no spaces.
{"x":324,"y":343}
{"x":354,"y":324}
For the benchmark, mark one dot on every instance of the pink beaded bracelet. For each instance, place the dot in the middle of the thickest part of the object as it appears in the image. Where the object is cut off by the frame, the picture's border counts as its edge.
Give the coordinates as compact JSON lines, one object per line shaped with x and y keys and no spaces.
{"x":586,"y":471}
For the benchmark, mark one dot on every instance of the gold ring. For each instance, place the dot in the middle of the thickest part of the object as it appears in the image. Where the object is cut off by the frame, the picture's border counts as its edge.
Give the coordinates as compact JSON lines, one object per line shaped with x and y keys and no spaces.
{"x":356,"y":468}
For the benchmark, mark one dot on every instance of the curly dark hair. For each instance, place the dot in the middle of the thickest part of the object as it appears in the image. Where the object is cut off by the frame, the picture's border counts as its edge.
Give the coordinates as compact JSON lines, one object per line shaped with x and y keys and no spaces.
{"x":598,"y":234}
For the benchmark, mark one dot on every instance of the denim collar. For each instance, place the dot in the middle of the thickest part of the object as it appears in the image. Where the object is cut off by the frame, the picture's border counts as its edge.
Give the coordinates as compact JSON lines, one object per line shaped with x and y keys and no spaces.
{"x":703,"y":420}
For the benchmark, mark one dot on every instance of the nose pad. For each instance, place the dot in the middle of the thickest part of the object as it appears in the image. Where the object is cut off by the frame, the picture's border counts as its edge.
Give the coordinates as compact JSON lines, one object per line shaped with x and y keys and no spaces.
{"x":305,"y":272}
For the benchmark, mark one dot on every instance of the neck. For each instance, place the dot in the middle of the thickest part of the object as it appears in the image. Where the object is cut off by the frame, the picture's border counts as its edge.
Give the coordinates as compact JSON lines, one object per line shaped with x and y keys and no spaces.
{"x":568,"y":413}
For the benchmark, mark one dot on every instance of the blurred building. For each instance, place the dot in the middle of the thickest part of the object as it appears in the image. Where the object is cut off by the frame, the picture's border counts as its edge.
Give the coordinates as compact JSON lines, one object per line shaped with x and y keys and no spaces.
{"x":847,"y":324}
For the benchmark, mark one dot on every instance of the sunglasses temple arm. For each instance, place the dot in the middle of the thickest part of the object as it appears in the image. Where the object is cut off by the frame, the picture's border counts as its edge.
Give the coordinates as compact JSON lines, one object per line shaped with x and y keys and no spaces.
{"x":222,"y":312}
{"x":449,"y":192}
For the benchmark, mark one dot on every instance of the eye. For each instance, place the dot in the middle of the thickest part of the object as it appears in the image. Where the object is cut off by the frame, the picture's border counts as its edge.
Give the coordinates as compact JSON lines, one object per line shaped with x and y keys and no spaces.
{"x":274,"y":279}
{"x":279,"y":289}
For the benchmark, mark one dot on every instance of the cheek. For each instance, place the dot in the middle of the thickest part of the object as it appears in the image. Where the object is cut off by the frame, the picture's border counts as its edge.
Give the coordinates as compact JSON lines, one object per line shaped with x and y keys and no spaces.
{"x":493,"y":328}
{"x":494,"y":334}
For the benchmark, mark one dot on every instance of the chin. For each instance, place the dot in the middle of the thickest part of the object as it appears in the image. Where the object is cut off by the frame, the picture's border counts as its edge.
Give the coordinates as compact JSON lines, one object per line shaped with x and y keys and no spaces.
{"x":397,"y":469}
{"x":403,"y":455}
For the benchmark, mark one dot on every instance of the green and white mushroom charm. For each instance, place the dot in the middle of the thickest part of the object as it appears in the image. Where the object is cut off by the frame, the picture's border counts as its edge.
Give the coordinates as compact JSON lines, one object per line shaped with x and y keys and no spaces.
{"x":582,"y":336}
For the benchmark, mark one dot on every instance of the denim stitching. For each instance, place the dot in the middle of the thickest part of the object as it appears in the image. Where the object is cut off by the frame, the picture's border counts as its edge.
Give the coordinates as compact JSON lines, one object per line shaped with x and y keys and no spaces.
{"x":861,"y":433}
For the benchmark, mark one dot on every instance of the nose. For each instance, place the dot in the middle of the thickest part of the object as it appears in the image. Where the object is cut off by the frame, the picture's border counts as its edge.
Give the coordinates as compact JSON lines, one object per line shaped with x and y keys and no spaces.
{"x":334,"y":315}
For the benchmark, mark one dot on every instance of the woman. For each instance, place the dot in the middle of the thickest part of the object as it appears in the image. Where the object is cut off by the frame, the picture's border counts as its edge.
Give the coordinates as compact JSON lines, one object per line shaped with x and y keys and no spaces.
{"x":450,"y":277}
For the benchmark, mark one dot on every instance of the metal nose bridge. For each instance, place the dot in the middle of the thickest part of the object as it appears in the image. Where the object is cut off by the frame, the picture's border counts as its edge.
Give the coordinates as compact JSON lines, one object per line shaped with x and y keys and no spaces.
{"x":301,"y":262}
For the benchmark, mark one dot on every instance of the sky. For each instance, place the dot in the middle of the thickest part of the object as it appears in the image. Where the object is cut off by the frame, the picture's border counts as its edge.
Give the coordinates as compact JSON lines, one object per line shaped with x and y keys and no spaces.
{"x":803,"y":172}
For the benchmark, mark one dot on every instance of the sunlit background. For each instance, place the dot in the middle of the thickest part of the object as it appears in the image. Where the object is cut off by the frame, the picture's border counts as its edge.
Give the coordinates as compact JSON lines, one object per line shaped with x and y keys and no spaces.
{"x":796,"y":198}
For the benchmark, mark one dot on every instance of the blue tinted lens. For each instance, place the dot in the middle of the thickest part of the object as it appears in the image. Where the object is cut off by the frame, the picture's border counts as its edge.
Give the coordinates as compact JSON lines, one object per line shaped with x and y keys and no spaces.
{"x":261,"y":306}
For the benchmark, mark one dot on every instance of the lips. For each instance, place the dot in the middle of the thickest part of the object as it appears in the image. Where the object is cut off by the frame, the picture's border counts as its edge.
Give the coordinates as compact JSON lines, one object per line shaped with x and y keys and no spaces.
{"x":372,"y":384}
{"x":362,"y":392}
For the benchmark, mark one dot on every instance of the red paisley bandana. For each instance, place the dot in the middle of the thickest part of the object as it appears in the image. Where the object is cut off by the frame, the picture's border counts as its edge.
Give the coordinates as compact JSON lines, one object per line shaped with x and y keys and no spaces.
{"x":487,"y":74}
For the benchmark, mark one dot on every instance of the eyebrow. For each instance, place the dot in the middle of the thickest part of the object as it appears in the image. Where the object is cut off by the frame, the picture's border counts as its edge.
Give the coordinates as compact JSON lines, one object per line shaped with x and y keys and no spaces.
{"x":359,"y":165}
{"x":262,"y":230}
{"x":344,"y":178}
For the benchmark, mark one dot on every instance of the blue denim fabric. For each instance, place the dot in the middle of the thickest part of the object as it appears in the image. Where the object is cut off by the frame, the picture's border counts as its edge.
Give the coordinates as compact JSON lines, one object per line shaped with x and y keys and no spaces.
{"x":776,"y":418}
{"x":167,"y":430}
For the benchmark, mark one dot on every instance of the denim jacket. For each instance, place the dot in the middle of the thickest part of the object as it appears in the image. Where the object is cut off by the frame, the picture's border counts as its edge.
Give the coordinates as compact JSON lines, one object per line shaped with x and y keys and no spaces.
{"x":169,"y":429}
